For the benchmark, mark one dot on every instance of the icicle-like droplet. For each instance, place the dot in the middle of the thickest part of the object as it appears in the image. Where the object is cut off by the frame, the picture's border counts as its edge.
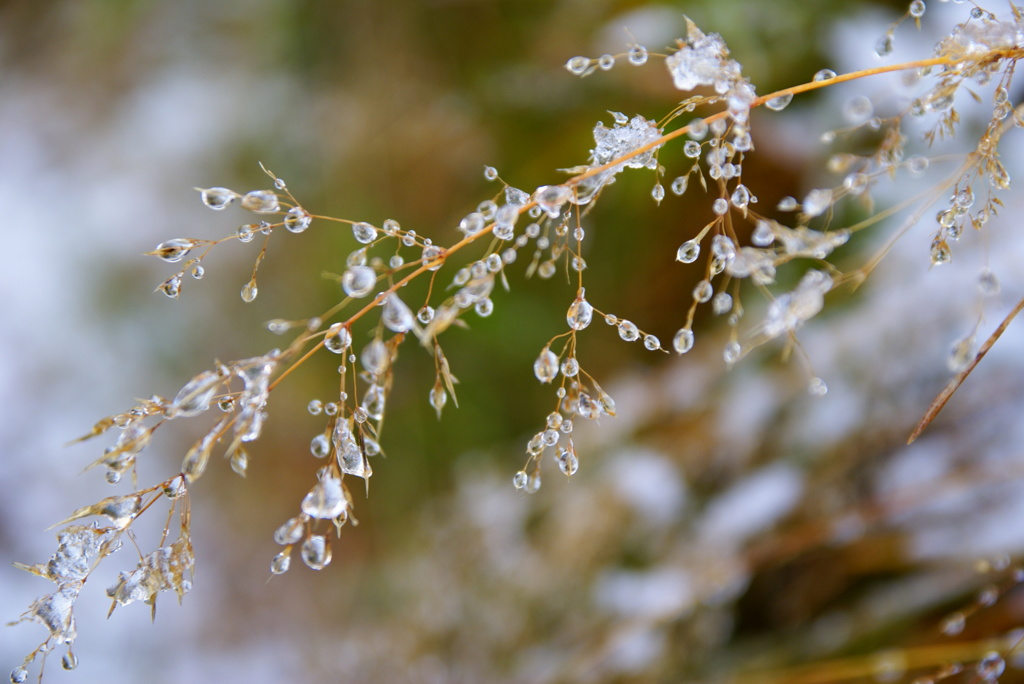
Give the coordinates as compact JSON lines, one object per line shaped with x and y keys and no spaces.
{"x":397,"y":317}
{"x":280,"y":563}
{"x":195,"y":396}
{"x":374,"y":357}
{"x":519,"y":480}
{"x":69,"y":661}
{"x":173,"y":251}
{"x":320,"y":446}
{"x":438,"y":397}
{"x":358,"y":281}
{"x":580,"y":312}
{"x":326,"y":500}
{"x":683,"y":341}
{"x":338,"y":339}
{"x":19,"y":675}
{"x":261,"y":201}
{"x":249,"y":291}
{"x":688,"y":252}
{"x":777,"y":104}
{"x":316,"y":552}
{"x":172,"y":286}
{"x":545,"y":368}
{"x":217,"y":198}
{"x":568,"y":462}
{"x":291,"y":531}
{"x":297,"y":220}
{"x":364,"y":233}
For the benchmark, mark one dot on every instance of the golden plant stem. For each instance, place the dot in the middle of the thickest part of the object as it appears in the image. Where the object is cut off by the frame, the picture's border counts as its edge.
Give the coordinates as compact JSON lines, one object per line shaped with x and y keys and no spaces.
{"x":955,"y":383}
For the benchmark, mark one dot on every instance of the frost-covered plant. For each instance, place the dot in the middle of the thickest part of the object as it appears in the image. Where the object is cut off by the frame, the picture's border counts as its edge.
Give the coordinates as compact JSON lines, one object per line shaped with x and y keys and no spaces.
{"x":743,"y":249}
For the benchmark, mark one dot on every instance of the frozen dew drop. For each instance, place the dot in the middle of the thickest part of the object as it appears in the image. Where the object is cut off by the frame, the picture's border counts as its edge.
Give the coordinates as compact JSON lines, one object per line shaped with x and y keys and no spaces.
{"x":261,"y":201}
{"x":69,"y":661}
{"x":731,"y":353}
{"x":194,"y":398}
{"x":315,"y":407}
{"x":19,"y":675}
{"x":246,"y":233}
{"x":817,"y":202}
{"x":580,"y":312}
{"x":484,"y":307}
{"x":740,"y":197}
{"x":652,"y":343}
{"x":533,"y":482}
{"x":320,"y":446}
{"x":824,"y":75}
{"x":297,"y":220}
{"x":493,"y":262}
{"x":940,"y":252}
{"x":762,"y":235}
{"x":817,"y":387}
{"x":720,"y":206}
{"x":679,"y":185}
{"x":990,"y":667}
{"x":217,"y":198}
{"x":364,"y":233}
{"x":723,"y":247}
{"x":988,"y":283}
{"x":358,"y":281}
{"x":658,"y":192}
{"x":568,"y":462}
{"x":961,"y":353}
{"x":430,"y":254}
{"x":691,"y":149}
{"x":316,"y":552}
{"x":688,"y":252}
{"x":280,"y":563}
{"x":374,"y":357}
{"x":173,"y":251}
{"x":637,"y":55}
{"x":628,"y":331}
{"x":249,"y":291}
{"x":326,"y":500}
{"x":883,"y":48}
{"x":518,"y":481}
{"x":787,"y":204}
{"x":175,"y":487}
{"x":858,"y":109}
{"x":472,"y":224}
{"x":490,"y":173}
{"x":397,"y":316}
{"x":425,"y":314}
{"x":198,"y":272}
{"x":917,"y":8}
{"x":171,"y":287}
{"x":721,"y":303}
{"x":702,"y":291}
{"x":438,"y":398}
{"x":239,"y":461}
{"x":545,"y":368}
{"x":780,"y":102}
{"x":331,"y":408}
{"x":698,"y":129}
{"x":605,"y":62}
{"x":570,"y":367}
{"x":291,"y":531}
